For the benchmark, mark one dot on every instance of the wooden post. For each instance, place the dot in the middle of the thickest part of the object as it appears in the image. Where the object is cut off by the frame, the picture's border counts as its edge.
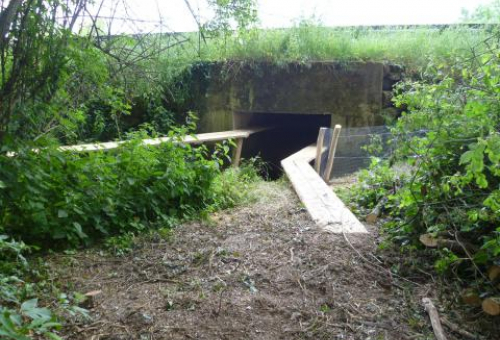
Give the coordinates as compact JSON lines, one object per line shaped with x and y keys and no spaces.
{"x":331,"y":153}
{"x":319,"y":149}
{"x":237,"y":152}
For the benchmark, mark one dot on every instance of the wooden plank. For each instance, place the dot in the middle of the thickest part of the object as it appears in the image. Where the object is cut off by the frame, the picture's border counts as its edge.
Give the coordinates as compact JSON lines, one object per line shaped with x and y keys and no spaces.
{"x":325,"y":208}
{"x":237,"y":152}
{"x":331,"y":153}
{"x":190,"y":139}
{"x":306,"y":155}
{"x":319,"y":149}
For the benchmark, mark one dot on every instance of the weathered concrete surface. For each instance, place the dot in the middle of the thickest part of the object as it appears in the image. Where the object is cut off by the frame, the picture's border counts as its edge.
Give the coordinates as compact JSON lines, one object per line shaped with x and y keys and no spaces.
{"x":351,"y":93}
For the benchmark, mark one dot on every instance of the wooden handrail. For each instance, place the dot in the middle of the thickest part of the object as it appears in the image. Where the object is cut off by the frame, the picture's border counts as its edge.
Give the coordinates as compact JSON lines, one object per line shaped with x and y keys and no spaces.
{"x":238,"y":135}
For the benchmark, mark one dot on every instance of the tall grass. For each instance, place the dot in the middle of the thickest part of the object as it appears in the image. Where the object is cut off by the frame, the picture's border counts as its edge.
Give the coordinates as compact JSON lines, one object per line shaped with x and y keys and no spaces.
{"x":305,"y":42}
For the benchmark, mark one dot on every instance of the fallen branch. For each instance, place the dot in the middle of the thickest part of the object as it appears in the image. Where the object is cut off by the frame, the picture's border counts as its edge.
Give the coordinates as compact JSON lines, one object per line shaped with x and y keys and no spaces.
{"x":430,"y":241}
{"x":434,"y":316}
{"x":457,"y":329}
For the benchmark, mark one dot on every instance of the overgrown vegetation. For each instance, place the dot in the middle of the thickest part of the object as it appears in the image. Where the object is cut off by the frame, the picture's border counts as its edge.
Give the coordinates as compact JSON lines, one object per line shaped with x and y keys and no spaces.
{"x":58,"y":200}
{"x":73,"y":198}
{"x":60,"y":85}
{"x":310,"y":41}
{"x":22,"y":286}
{"x":99,"y":86}
{"x":440,"y":187}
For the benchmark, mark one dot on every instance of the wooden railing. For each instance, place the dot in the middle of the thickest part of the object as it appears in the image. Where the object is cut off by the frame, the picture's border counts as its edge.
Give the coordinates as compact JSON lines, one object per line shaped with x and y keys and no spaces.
{"x":237,"y":135}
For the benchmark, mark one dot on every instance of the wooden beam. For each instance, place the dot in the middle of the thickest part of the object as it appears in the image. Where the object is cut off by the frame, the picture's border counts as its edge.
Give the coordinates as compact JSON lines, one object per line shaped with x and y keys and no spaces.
{"x":189,"y":139}
{"x":325,"y":208}
{"x":306,"y":155}
{"x":331,"y":153}
{"x":319,"y":149}
{"x":237,"y":152}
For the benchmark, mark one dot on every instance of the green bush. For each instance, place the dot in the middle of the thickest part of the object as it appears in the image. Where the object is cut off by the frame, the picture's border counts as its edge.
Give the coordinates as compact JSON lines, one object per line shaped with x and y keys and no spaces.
{"x":53,"y":197}
{"x":25,"y":292}
{"x":50,"y":198}
{"x":21,"y":317}
{"x":449,"y":141}
{"x":233,"y":186}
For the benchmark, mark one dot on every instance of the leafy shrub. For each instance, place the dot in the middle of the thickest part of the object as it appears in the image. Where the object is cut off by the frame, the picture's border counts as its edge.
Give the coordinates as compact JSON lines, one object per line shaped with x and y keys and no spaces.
{"x":67,"y":198}
{"x":232,"y":186}
{"x":28,"y":319}
{"x":21,"y":317}
{"x":53,"y":198}
{"x":375,"y":183}
{"x":121,"y":244}
{"x":449,"y":140}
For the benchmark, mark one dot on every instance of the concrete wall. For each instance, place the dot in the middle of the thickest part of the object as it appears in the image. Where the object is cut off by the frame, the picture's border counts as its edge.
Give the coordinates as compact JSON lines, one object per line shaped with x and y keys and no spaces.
{"x":353,"y":94}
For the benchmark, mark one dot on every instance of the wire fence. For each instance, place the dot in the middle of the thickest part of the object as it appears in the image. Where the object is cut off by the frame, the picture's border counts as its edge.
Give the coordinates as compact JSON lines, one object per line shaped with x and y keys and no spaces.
{"x":357,"y":146}
{"x":353,"y":148}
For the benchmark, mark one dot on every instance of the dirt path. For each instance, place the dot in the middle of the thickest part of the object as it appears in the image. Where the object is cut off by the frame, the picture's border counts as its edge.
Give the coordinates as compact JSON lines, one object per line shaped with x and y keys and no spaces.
{"x":258,"y":272}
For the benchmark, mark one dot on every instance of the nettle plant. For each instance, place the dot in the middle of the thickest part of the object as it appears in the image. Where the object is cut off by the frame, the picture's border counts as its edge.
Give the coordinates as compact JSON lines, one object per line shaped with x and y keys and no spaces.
{"x":52,"y":197}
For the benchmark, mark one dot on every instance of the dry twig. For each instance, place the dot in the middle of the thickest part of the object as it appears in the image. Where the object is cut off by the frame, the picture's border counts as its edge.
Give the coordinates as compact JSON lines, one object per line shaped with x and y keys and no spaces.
{"x":435,"y":321}
{"x":457,"y":329}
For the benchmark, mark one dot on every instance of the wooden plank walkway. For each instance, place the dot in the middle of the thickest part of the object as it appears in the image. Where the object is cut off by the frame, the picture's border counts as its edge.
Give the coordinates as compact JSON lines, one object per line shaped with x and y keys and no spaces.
{"x":237,"y":135}
{"x":189,"y":139}
{"x":325,"y":208}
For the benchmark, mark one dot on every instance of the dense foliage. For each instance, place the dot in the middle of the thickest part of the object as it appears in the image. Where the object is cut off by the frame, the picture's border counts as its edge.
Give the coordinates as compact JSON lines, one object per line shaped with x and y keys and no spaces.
{"x":21,"y":316}
{"x":61,"y":85}
{"x":71,"y":197}
{"x":443,"y":178}
{"x":58,"y":199}
{"x":63,"y":80}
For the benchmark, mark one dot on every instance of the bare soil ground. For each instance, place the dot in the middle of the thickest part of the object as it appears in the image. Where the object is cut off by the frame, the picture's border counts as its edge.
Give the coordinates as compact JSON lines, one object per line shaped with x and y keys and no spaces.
{"x":263,"y":271}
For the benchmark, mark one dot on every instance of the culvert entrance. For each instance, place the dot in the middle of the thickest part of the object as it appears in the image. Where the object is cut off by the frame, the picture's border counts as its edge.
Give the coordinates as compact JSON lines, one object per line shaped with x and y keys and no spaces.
{"x":288,"y":133}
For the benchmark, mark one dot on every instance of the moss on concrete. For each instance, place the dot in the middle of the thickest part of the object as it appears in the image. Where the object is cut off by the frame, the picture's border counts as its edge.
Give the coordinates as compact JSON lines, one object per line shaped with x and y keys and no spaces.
{"x":352,"y":92}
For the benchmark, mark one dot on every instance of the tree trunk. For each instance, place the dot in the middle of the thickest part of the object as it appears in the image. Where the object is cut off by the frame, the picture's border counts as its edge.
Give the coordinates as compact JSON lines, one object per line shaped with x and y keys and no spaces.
{"x":6,"y":19}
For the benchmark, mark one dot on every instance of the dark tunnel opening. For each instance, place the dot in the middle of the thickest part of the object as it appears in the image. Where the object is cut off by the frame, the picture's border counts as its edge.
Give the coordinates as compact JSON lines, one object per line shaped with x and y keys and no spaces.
{"x":287,"y":134}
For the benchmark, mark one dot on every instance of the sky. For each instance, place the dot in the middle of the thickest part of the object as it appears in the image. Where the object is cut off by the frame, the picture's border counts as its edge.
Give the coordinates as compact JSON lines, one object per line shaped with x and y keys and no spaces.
{"x":173,"y":15}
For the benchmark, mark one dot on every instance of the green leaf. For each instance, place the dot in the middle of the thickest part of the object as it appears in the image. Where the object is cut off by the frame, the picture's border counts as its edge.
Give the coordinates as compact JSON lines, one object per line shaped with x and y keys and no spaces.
{"x":29,"y":304}
{"x":39,"y":315}
{"x":16,"y":319}
{"x":6,"y":322}
{"x":481,"y":181}
{"x":79,"y":231}
{"x":53,"y":336}
{"x":62,"y":213}
{"x":466,"y":157}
